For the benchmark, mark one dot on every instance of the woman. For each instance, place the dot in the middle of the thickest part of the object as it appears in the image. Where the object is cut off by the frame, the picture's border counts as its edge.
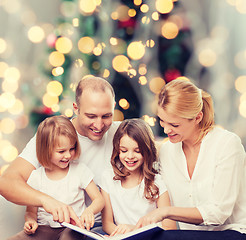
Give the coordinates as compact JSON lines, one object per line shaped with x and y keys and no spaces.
{"x":203,"y":167}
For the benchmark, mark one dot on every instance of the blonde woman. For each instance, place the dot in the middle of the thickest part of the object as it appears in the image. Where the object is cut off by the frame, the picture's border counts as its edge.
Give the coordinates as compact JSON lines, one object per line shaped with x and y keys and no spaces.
{"x":203,"y":168}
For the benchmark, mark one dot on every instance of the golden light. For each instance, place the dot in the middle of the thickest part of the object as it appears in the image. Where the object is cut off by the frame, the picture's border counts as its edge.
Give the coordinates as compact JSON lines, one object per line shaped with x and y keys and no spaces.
{"x":106,"y":73}
{"x":17,"y":108}
{"x":79,"y":63}
{"x":242,"y":109}
{"x":169,"y":30}
{"x":121,"y":63}
{"x":10,"y":85}
{"x":114,"y":15}
{"x":150,"y":120}
{"x":145,"y":20}
{"x":9,"y":153}
{"x":7,"y":125}
{"x":240,"y":84}
{"x":49,"y":100}
{"x":96,"y":65}
{"x":75,"y":22}
{"x":3,"y":67}
{"x":144,"y":8}
{"x":55,"y":108}
{"x":183,"y":78}
{"x":155,"y":16}
{"x":122,"y":12}
{"x":164,"y":6}
{"x":137,"y":2}
{"x":87,"y":6}
{"x":3,"y":45}
{"x":118,"y":115}
{"x":136,"y":50}
{"x":156,"y":84}
{"x":86,"y":44}
{"x":54,"y":88}
{"x":68,"y":112}
{"x":97,"y":51}
{"x":142,"y":80}
{"x":124,"y":103}
{"x":113,"y":41}
{"x":132,"y":72}
{"x":63,"y":45}
{"x":142,"y":69}
{"x":36,"y":34}
{"x":132,"y":12}
{"x":207,"y":57}
{"x":7,"y":100}
{"x":12,"y":73}
{"x":56,"y":59}
{"x":150,"y":43}
{"x":57,"y":71}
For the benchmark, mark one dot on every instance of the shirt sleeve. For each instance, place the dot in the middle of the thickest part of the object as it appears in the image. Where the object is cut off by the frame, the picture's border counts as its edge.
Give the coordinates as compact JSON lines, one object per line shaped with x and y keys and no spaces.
{"x":226,"y":183}
{"x":86,"y":175}
{"x":159,"y":181}
{"x":29,"y":153}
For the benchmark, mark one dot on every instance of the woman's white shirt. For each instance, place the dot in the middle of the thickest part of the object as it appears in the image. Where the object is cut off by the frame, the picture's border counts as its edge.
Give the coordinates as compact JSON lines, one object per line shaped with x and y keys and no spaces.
{"x":217,"y":187}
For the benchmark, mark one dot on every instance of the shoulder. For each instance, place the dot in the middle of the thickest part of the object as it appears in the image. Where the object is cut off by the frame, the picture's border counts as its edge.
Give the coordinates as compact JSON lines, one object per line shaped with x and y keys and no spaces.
{"x":114,"y":126}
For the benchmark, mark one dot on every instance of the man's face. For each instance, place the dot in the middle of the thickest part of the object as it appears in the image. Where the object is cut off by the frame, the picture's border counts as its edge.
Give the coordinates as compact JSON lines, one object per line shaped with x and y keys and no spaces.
{"x":94,"y":113}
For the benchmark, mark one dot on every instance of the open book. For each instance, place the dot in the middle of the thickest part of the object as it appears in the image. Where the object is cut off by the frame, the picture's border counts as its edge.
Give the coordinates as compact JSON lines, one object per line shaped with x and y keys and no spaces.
{"x":141,"y":233}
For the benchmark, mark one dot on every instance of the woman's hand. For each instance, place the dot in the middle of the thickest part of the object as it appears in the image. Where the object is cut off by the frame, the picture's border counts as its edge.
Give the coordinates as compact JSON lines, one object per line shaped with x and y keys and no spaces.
{"x":121,"y":229}
{"x":154,"y":216}
{"x":30,"y":227}
{"x":87,"y":219}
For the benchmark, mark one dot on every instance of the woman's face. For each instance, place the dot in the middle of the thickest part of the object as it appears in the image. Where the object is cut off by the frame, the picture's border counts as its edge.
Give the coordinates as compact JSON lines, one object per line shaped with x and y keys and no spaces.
{"x":178,"y":129}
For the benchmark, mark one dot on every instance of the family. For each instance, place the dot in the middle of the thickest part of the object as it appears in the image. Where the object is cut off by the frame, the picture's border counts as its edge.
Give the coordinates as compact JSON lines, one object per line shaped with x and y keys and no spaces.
{"x":110,"y":177}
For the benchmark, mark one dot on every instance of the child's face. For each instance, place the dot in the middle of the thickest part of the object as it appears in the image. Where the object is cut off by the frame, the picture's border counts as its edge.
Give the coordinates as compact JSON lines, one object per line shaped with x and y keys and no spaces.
{"x":64,"y":152}
{"x":130,"y":155}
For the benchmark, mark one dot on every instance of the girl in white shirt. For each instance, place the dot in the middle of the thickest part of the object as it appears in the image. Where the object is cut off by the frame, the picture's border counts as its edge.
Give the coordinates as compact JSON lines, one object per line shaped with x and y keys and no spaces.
{"x":132,"y":188}
{"x":62,"y":178}
{"x":203,"y":167}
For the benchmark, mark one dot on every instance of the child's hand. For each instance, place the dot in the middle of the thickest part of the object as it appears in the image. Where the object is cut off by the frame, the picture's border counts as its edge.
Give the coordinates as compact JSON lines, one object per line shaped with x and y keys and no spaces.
{"x":121,"y":229}
{"x":87,"y":218}
{"x":30,"y":227}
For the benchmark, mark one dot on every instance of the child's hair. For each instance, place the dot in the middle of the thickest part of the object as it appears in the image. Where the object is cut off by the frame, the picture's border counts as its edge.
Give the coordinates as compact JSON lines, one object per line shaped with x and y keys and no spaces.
{"x":139,"y":131}
{"x":48,"y":134}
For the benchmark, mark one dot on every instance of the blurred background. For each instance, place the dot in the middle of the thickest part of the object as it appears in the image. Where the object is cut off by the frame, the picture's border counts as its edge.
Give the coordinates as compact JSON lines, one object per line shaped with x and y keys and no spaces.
{"x":46,"y":47}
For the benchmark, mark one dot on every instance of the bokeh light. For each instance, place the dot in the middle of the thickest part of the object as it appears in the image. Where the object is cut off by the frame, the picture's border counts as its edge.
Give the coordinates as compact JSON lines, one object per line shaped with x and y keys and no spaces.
{"x":207,"y":57}
{"x":63,"y":45}
{"x":164,"y":6}
{"x":136,"y":50}
{"x":3,"y":45}
{"x":156,"y":84}
{"x":7,"y":125}
{"x":121,"y":63}
{"x":36,"y":34}
{"x":86,"y":44}
{"x":56,"y":59}
{"x":124,"y":103}
{"x":169,"y":30}
{"x":240,"y":84}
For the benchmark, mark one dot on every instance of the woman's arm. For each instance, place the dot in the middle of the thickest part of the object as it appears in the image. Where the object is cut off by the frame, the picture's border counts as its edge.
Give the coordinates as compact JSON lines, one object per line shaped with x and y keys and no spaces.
{"x":187,"y":215}
{"x":95,"y":207}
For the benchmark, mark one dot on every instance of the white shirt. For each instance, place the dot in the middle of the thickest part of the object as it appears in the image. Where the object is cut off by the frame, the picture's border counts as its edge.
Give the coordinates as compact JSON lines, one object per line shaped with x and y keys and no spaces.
{"x":69,"y":190}
{"x":128,"y":204}
{"x":218,"y":184}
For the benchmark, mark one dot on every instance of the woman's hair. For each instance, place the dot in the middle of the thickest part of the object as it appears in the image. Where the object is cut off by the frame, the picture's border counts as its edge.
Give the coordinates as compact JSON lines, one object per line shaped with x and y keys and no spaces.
{"x":139,"y":131}
{"x":48,"y":134}
{"x":183,"y":99}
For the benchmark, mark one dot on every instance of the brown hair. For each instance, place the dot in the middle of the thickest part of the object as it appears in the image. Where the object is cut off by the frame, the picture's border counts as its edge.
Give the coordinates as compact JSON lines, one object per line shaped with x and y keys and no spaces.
{"x":94,"y":83}
{"x":47,"y":137}
{"x":183,"y":99}
{"x":140,"y":131}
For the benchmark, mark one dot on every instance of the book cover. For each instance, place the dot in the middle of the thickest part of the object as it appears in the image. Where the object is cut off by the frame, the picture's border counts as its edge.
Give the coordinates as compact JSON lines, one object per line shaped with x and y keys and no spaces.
{"x":141,"y":233}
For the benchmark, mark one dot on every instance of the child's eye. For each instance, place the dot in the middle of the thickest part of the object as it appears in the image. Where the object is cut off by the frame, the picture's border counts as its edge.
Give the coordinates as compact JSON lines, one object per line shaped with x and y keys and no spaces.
{"x":60,"y":151}
{"x":123,"y":151}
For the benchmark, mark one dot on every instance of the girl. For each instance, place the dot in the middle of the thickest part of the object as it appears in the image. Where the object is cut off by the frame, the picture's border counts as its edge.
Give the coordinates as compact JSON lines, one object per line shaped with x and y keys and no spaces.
{"x":60,"y":177}
{"x":203,"y":167}
{"x":133,"y":188}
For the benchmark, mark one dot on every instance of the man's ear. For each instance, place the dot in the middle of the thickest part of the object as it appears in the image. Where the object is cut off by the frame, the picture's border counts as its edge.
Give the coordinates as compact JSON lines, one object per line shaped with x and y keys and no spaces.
{"x":75,"y":108}
{"x":199,"y":117}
